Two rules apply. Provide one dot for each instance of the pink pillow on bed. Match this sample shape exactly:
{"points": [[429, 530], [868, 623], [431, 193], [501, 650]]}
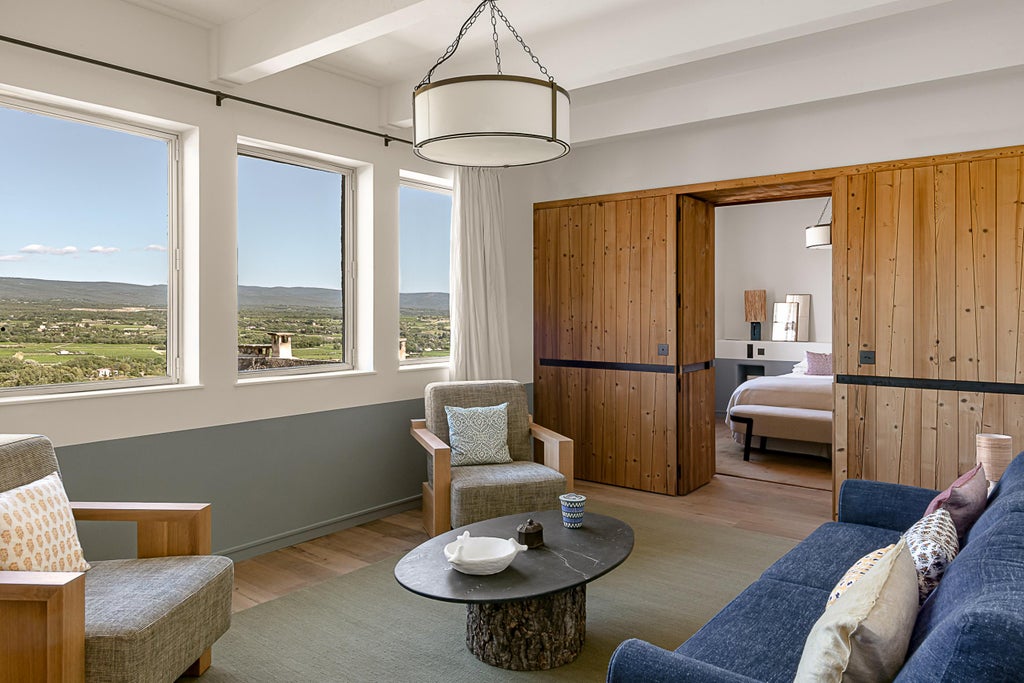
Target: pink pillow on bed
{"points": [[819, 363]]}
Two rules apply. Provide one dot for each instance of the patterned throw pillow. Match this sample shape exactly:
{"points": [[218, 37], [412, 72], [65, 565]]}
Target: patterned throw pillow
{"points": [[818, 363], [965, 499], [479, 436], [37, 529], [864, 635], [858, 570], [933, 545]]}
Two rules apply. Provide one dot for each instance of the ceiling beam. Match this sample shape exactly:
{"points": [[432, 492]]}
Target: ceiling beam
{"points": [[286, 33]]}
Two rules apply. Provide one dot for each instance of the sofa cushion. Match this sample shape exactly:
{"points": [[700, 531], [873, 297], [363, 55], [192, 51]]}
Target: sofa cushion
{"points": [[965, 500], [479, 436], [825, 555], [761, 633], [37, 529], [933, 545], [971, 626], [856, 572], [863, 635], [147, 617], [482, 492]]}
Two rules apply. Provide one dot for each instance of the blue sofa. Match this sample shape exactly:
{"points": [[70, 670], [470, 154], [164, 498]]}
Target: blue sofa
{"points": [[971, 628]]}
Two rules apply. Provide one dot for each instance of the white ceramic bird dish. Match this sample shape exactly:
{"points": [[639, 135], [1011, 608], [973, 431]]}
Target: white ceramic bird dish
{"points": [[481, 555]]}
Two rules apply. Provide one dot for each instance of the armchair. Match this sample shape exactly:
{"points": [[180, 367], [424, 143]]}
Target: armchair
{"points": [[153, 618], [456, 496]]}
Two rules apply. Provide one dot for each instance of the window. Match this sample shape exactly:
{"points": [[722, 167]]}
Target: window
{"points": [[424, 225], [294, 268], [88, 233]]}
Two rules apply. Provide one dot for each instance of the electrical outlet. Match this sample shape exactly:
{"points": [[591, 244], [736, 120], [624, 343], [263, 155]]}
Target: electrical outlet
{"points": [[867, 357], [760, 351], [662, 349]]}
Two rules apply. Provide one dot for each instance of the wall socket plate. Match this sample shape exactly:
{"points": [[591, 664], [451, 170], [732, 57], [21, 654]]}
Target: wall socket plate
{"points": [[867, 357], [662, 349]]}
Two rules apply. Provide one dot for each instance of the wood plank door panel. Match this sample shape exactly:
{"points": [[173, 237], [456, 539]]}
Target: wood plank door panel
{"points": [[928, 267], [696, 324], [604, 301]]}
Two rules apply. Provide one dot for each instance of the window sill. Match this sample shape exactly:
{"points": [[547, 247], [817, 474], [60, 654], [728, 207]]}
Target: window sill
{"points": [[410, 367], [97, 393], [313, 376]]}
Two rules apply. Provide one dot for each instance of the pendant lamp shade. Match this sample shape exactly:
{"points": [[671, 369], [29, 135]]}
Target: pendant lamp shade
{"points": [[818, 236], [491, 120]]}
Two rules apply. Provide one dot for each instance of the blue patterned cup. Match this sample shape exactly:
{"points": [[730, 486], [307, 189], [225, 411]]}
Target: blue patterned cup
{"points": [[572, 509]]}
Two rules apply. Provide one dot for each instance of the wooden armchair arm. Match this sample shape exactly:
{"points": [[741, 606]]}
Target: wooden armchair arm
{"points": [[557, 452], [436, 508], [42, 626], [163, 529]]}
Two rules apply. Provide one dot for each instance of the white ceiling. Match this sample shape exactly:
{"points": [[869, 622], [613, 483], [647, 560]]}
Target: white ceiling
{"points": [[601, 49]]}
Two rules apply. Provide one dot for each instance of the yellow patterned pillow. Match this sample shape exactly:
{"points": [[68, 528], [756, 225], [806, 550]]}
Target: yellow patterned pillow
{"points": [[37, 529], [859, 569]]}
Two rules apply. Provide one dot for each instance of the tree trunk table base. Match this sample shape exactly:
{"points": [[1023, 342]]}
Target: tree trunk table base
{"points": [[529, 635]]}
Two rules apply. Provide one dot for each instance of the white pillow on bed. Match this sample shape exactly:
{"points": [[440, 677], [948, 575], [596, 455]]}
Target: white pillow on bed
{"points": [[800, 368]]}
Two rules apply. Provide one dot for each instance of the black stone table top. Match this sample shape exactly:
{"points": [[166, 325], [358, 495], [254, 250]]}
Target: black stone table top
{"points": [[569, 557]]}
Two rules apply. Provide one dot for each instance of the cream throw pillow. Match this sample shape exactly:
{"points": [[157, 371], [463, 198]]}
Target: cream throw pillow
{"points": [[863, 636], [37, 529]]}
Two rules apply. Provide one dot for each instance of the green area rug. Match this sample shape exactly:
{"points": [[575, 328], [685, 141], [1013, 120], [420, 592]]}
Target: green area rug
{"points": [[363, 626]]}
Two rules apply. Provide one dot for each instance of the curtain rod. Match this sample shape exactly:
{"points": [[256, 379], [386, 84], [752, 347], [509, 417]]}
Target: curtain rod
{"points": [[220, 96]]}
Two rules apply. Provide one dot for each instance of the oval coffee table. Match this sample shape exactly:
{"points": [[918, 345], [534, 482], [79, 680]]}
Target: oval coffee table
{"points": [[532, 615]]}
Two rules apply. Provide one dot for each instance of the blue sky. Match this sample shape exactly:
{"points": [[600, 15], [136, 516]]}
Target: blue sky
{"points": [[85, 203], [80, 202], [424, 223]]}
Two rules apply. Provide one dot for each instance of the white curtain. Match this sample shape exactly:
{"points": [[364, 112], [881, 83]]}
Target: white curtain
{"points": [[479, 311]]}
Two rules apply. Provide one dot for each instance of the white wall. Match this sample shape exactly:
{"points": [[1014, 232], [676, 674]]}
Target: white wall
{"points": [[955, 115], [761, 246], [128, 35]]}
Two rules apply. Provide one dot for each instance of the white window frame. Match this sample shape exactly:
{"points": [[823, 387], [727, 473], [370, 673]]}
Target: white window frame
{"points": [[174, 246], [420, 181], [348, 262]]}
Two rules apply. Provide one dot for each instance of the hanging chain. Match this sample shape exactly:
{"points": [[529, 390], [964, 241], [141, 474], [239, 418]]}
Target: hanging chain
{"points": [[822, 216], [455, 45], [494, 35], [526, 48]]}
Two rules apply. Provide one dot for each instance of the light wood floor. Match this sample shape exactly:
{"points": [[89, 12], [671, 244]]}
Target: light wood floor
{"points": [[778, 509], [784, 468]]}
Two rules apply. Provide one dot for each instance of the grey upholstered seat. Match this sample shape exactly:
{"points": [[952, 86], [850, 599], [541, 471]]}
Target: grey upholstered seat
{"points": [[145, 619], [479, 492], [148, 618], [486, 491]]}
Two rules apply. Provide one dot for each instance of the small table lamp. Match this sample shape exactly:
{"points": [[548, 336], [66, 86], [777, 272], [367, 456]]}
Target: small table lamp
{"points": [[994, 452], [755, 310]]}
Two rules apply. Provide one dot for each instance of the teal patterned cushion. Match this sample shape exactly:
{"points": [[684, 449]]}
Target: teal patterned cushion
{"points": [[479, 436]]}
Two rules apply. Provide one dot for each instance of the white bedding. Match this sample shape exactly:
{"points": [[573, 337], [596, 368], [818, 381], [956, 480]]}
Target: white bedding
{"points": [[793, 391]]}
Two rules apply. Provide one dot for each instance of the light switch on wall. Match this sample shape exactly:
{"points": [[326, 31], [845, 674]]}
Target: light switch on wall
{"points": [[662, 349]]}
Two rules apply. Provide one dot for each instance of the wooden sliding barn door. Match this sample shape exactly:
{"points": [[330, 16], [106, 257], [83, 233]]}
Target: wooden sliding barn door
{"points": [[928, 272], [604, 301], [696, 316]]}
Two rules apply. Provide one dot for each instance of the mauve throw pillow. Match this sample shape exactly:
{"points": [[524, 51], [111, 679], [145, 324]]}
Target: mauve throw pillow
{"points": [[965, 500], [819, 363]]}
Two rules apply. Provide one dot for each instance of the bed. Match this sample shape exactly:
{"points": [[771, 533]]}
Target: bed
{"points": [[791, 413]]}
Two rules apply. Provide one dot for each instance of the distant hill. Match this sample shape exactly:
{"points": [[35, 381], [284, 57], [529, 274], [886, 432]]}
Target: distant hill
{"points": [[87, 294], [423, 302], [119, 294]]}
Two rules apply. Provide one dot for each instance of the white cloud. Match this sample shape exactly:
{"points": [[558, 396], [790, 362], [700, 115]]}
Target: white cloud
{"points": [[156, 247], [103, 250], [53, 251], [12, 257]]}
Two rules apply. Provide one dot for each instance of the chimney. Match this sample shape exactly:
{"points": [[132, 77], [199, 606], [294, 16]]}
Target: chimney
{"points": [[282, 345]]}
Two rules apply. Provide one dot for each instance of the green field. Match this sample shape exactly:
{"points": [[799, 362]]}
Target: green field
{"points": [[48, 353]]}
